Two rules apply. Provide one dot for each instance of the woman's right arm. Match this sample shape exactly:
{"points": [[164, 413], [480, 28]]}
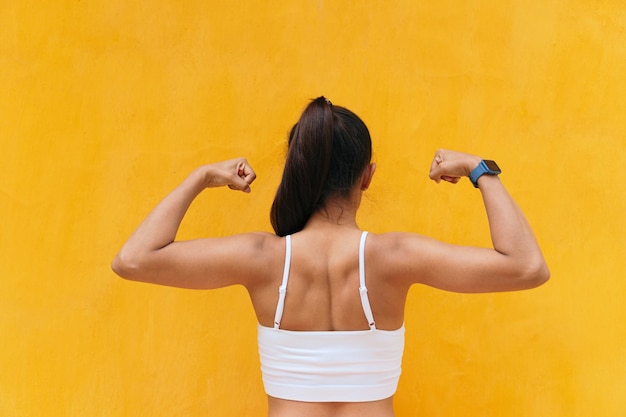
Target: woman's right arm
{"points": [[515, 261], [153, 255]]}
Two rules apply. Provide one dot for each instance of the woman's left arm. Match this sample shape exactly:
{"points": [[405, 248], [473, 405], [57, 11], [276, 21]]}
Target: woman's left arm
{"points": [[152, 255]]}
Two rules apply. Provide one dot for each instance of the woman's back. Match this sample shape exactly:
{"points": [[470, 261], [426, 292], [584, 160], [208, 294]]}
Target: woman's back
{"points": [[322, 355], [323, 288]]}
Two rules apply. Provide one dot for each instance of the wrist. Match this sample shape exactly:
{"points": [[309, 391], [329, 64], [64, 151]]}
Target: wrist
{"points": [[472, 164], [485, 167], [201, 177]]}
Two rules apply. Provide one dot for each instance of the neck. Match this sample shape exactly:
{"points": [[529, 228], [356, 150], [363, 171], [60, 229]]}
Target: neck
{"points": [[336, 212]]}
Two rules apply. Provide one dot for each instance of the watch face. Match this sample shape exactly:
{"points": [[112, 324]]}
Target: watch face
{"points": [[492, 165]]}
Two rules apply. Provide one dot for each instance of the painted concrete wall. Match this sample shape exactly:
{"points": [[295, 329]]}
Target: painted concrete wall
{"points": [[106, 105]]}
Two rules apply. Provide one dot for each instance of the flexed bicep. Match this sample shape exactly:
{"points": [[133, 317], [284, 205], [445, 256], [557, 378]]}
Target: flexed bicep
{"points": [[469, 269], [205, 263]]}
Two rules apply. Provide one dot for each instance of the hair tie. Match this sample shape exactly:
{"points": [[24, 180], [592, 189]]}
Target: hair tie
{"points": [[328, 101]]}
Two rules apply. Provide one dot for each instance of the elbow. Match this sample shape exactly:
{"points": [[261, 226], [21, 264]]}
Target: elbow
{"points": [[536, 274], [544, 275], [125, 267]]}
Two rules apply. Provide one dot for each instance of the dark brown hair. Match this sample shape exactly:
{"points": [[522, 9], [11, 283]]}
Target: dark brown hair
{"points": [[329, 148]]}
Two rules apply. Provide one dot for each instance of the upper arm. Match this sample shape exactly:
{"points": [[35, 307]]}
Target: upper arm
{"points": [[416, 259], [202, 263]]}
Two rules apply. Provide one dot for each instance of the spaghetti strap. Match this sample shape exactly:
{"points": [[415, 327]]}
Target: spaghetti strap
{"points": [[282, 290], [365, 302]]}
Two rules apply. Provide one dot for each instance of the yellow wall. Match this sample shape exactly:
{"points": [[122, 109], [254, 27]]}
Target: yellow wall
{"points": [[106, 105]]}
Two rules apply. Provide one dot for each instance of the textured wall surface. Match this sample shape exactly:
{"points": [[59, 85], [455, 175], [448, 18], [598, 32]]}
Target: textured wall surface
{"points": [[107, 105]]}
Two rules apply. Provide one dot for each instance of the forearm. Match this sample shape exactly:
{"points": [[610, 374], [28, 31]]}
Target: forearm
{"points": [[159, 228], [510, 232]]}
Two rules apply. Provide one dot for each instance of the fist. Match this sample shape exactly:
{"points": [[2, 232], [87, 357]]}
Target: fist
{"points": [[236, 173], [450, 166]]}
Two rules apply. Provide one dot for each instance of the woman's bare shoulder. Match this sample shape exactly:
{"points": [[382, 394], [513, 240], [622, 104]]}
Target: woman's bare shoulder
{"points": [[389, 241], [399, 254]]}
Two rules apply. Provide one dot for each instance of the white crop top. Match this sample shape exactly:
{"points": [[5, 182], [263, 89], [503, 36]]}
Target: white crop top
{"points": [[330, 366]]}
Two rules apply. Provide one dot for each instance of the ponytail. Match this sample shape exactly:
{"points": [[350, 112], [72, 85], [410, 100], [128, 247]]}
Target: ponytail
{"points": [[328, 150]]}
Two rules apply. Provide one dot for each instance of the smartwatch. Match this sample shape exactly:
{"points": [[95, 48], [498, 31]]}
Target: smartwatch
{"points": [[485, 167]]}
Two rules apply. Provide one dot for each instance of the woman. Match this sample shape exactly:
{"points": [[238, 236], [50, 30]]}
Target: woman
{"points": [[329, 298]]}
